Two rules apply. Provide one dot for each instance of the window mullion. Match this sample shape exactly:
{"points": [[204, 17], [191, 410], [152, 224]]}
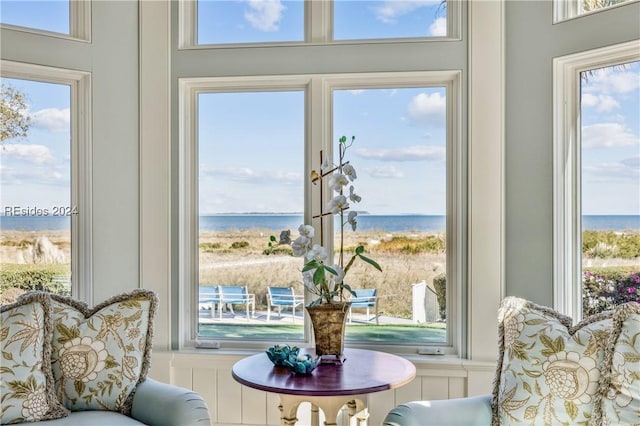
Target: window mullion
{"points": [[80, 19], [319, 21]]}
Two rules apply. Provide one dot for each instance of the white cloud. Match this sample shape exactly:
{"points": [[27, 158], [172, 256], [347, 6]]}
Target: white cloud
{"points": [[627, 169], [632, 163], [385, 172], [389, 11], [34, 175], [249, 175], [264, 15], [409, 153], [438, 28], [428, 109], [608, 135], [612, 80], [603, 103], [35, 154], [52, 119]]}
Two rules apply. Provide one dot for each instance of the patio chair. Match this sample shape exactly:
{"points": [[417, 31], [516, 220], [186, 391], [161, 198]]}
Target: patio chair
{"points": [[209, 295], [283, 297], [237, 295], [365, 298]]}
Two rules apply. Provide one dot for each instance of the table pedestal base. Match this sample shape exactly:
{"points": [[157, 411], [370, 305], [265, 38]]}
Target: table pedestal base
{"points": [[330, 406]]}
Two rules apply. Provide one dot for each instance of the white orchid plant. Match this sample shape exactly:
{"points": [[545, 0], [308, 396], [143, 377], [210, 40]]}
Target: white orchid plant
{"points": [[320, 275]]}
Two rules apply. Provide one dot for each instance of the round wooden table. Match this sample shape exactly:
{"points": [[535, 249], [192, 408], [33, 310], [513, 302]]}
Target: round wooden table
{"points": [[330, 386]]}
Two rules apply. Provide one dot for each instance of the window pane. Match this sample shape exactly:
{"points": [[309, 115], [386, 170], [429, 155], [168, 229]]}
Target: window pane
{"points": [[400, 159], [251, 162], [35, 226], [354, 19], [610, 114], [50, 15], [586, 6], [255, 21]]}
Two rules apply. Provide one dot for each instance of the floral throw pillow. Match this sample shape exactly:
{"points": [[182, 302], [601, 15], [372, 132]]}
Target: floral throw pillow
{"points": [[100, 355], [26, 385], [618, 402], [548, 370]]}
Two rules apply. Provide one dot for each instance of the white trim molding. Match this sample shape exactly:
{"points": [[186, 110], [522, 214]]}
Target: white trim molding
{"points": [[567, 211], [486, 176]]}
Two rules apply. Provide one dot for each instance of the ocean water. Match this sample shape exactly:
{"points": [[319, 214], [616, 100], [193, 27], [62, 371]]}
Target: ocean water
{"points": [[276, 222]]}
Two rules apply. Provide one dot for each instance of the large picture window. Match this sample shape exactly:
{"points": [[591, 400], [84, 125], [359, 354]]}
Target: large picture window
{"points": [[45, 204], [597, 183], [241, 184]]}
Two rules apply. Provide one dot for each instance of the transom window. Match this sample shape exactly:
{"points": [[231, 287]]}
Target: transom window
{"points": [[228, 22], [49, 17], [568, 9]]}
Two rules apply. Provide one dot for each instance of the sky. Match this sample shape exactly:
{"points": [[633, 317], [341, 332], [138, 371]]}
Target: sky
{"points": [[400, 134]]}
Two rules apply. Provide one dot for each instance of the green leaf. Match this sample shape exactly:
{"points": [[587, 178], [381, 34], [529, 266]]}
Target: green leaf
{"points": [[333, 271], [371, 262], [272, 238], [312, 264], [318, 275], [343, 139], [348, 288], [359, 249]]}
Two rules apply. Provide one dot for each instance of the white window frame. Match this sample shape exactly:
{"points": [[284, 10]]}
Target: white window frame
{"points": [[81, 153], [567, 210], [318, 27], [318, 132], [564, 10], [79, 23]]}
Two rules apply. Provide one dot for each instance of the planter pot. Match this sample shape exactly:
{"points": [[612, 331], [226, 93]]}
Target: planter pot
{"points": [[329, 322]]}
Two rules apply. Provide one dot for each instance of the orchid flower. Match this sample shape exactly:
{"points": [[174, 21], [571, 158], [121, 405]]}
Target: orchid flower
{"points": [[351, 219], [353, 196], [318, 253], [285, 237], [337, 204], [349, 171], [317, 276], [337, 181], [300, 246], [306, 231]]}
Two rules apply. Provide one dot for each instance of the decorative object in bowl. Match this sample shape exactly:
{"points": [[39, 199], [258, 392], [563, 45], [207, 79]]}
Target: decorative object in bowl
{"points": [[291, 358]]}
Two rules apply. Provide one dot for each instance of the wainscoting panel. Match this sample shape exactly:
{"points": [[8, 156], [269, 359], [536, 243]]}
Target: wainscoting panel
{"points": [[208, 372]]}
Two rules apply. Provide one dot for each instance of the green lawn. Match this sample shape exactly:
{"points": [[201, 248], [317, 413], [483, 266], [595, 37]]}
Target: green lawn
{"points": [[374, 333]]}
